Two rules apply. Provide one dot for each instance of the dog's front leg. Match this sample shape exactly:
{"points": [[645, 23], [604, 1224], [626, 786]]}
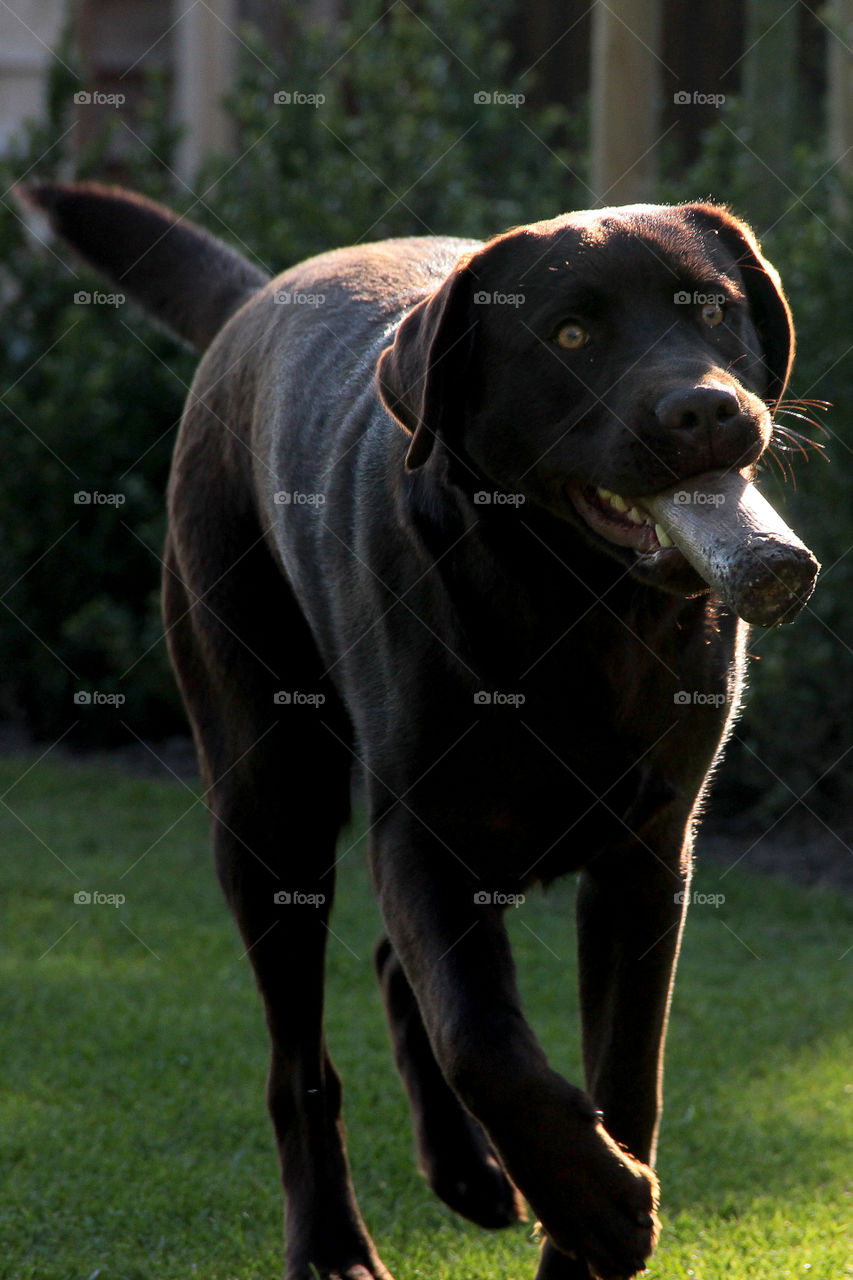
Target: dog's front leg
{"points": [[630, 912], [594, 1199]]}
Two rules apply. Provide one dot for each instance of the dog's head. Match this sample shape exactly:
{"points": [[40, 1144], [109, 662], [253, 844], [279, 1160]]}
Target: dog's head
{"points": [[598, 358]]}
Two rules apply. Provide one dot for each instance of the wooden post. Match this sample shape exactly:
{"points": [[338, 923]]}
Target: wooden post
{"points": [[626, 99], [205, 63]]}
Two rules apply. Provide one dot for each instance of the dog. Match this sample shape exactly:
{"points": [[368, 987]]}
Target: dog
{"points": [[406, 529]]}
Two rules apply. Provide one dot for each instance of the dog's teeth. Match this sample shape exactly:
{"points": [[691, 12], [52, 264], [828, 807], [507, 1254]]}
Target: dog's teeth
{"points": [[635, 516], [613, 499], [663, 537]]}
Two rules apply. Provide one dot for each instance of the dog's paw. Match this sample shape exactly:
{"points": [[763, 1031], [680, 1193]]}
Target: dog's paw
{"points": [[602, 1208], [357, 1272], [325, 1261], [556, 1265], [350, 1271]]}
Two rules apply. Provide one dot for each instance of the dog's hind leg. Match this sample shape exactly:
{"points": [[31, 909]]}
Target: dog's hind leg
{"points": [[454, 1153], [277, 785]]}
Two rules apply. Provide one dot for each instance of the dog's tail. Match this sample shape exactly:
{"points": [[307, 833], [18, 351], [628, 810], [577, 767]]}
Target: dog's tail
{"points": [[187, 279]]}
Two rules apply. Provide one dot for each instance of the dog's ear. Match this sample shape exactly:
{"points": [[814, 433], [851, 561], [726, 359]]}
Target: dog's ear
{"points": [[421, 376], [770, 311]]}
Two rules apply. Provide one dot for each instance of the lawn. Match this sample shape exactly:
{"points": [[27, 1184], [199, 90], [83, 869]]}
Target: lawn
{"points": [[135, 1142]]}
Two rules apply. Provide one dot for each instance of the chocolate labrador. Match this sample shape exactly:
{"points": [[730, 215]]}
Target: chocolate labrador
{"points": [[406, 528]]}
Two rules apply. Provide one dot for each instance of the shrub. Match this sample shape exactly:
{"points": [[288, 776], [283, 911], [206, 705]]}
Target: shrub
{"points": [[90, 396]]}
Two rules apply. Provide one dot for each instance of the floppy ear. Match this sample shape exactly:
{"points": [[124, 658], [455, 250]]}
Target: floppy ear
{"points": [[421, 377], [770, 311]]}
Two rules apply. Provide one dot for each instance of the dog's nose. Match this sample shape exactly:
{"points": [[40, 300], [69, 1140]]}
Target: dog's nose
{"points": [[690, 408]]}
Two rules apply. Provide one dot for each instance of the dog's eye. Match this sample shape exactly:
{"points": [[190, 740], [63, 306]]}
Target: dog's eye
{"points": [[572, 336], [712, 314]]}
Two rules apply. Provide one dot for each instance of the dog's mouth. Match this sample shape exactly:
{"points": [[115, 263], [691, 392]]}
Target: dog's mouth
{"points": [[622, 521], [626, 526]]}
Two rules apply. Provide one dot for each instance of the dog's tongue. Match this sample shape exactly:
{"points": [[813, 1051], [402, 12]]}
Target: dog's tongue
{"points": [[740, 546]]}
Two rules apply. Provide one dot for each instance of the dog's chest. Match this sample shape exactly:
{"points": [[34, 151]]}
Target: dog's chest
{"points": [[586, 751]]}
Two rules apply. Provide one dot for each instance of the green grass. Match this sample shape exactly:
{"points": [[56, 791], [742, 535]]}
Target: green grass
{"points": [[134, 1138]]}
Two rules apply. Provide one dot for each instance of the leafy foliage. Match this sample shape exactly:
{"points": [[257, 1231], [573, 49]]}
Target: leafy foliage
{"points": [[90, 394]]}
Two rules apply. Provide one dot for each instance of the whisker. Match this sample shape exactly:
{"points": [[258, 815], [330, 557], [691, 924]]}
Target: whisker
{"points": [[784, 467]]}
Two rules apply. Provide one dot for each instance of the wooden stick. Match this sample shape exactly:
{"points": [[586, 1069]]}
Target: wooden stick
{"points": [[737, 542]]}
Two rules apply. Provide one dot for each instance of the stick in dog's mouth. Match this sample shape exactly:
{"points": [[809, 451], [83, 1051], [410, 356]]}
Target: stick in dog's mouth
{"points": [[738, 544]]}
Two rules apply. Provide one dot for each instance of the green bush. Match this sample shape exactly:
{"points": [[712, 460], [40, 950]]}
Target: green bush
{"points": [[399, 145], [90, 398]]}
